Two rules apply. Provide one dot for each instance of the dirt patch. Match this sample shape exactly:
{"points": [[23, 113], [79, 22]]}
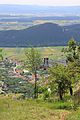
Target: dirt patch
{"points": [[63, 115]]}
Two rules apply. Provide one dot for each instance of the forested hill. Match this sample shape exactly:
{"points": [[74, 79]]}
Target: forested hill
{"points": [[47, 34]]}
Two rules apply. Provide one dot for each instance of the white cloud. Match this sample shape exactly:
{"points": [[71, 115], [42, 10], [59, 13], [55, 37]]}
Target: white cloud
{"points": [[42, 2]]}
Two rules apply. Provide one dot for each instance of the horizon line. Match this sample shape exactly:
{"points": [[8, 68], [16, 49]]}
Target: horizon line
{"points": [[42, 5]]}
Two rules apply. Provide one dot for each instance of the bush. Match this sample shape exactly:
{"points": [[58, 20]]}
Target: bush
{"points": [[46, 95]]}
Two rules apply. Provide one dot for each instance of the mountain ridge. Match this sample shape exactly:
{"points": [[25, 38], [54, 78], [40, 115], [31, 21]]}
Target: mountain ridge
{"points": [[47, 34]]}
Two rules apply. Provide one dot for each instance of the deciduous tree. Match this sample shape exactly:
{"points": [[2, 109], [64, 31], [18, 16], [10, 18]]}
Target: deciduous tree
{"points": [[33, 62]]}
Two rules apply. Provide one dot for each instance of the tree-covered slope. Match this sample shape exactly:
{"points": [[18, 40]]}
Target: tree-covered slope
{"points": [[47, 34]]}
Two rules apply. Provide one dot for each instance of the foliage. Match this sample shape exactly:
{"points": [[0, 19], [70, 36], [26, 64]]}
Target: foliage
{"points": [[59, 79], [73, 51], [3, 74], [1, 54], [73, 58], [73, 63], [17, 85], [33, 59], [33, 62]]}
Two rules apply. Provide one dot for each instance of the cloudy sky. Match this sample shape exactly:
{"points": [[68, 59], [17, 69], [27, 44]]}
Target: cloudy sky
{"points": [[43, 2]]}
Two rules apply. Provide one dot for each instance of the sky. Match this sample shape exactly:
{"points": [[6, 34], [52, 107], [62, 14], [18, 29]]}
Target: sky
{"points": [[43, 2]]}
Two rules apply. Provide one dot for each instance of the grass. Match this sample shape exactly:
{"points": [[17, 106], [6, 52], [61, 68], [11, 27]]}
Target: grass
{"points": [[12, 109], [75, 115], [29, 109]]}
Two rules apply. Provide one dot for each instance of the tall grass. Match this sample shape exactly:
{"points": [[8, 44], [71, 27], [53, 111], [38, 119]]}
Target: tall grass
{"points": [[13, 109]]}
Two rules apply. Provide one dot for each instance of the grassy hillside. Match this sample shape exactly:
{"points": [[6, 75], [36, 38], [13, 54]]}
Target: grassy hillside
{"points": [[28, 110], [13, 109], [75, 115]]}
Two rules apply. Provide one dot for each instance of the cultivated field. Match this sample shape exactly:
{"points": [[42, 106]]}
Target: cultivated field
{"points": [[19, 53]]}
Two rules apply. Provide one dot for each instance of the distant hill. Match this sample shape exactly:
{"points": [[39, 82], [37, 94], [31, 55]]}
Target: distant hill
{"points": [[47, 34], [34, 9]]}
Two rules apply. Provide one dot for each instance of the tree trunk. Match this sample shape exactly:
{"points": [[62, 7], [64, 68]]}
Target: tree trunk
{"points": [[35, 87], [61, 98], [71, 91], [60, 95]]}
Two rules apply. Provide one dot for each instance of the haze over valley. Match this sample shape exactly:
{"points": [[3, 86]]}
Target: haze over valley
{"points": [[32, 25]]}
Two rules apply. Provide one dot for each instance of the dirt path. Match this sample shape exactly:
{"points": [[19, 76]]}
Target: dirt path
{"points": [[63, 115]]}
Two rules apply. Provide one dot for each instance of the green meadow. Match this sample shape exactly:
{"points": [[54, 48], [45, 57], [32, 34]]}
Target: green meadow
{"points": [[19, 53]]}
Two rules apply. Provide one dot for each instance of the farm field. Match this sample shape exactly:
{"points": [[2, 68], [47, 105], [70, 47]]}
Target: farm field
{"points": [[19, 53], [19, 25]]}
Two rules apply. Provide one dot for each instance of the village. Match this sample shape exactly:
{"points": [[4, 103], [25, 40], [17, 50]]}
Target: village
{"points": [[14, 69]]}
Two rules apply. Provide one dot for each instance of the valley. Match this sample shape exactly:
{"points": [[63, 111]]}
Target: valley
{"points": [[18, 22], [39, 62]]}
